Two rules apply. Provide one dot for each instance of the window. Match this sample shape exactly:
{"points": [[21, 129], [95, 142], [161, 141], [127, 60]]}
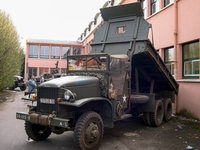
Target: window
{"points": [[43, 70], [154, 6], [95, 21], [191, 60], [44, 52], [112, 3], [120, 30], [65, 52], [32, 71], [169, 59], [144, 7], [167, 2], [76, 50], [55, 52], [33, 51]]}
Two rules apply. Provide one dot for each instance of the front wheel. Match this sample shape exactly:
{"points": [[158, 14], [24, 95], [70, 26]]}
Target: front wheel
{"points": [[23, 87], [37, 132], [88, 131]]}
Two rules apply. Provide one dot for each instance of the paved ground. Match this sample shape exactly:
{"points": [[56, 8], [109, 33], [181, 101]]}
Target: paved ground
{"points": [[129, 134], [174, 135]]}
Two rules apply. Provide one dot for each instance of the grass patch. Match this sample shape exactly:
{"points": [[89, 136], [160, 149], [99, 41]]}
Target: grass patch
{"points": [[191, 118], [187, 114], [195, 126]]}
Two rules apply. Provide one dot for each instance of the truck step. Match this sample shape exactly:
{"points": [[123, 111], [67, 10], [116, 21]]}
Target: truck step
{"points": [[125, 116]]}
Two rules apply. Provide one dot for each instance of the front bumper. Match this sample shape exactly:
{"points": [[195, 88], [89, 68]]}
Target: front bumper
{"points": [[45, 120]]}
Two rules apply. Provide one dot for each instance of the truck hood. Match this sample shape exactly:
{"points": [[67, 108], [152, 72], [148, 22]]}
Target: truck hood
{"points": [[70, 81]]}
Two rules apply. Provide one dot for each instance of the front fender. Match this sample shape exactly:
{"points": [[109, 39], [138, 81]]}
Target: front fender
{"points": [[98, 104], [81, 102]]}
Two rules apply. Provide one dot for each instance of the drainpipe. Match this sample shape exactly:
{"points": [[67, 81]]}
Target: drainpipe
{"points": [[175, 45]]}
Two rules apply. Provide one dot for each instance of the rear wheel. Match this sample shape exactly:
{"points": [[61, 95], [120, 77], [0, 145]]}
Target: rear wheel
{"points": [[88, 131], [37, 132], [146, 118], [12, 87], [167, 109], [157, 115]]}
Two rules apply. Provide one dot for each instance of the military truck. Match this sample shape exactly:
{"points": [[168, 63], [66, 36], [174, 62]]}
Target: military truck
{"points": [[122, 76]]}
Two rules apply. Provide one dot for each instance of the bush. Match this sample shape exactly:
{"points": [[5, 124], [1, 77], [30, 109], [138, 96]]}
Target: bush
{"points": [[11, 52]]}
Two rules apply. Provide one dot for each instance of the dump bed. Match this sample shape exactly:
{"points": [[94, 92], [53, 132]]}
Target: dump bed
{"points": [[125, 31]]}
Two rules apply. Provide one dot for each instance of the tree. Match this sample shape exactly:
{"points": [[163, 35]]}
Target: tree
{"points": [[11, 52]]}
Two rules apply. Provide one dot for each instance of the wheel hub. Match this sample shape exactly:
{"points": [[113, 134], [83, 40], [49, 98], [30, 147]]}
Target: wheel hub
{"points": [[92, 132]]}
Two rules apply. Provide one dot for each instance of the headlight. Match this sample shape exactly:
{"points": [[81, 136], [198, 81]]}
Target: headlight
{"points": [[68, 95]]}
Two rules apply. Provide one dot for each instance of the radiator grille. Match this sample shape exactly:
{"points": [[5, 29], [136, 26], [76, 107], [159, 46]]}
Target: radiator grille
{"points": [[48, 93]]}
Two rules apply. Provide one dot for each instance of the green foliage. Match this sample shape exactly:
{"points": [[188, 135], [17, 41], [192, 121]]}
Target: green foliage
{"points": [[11, 52]]}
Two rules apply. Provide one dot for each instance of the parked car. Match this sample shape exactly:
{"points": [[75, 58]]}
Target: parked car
{"points": [[18, 82]]}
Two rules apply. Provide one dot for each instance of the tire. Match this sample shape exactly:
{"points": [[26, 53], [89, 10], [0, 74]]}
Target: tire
{"points": [[146, 118], [88, 131], [167, 109], [156, 117], [23, 87], [139, 99], [37, 132], [11, 88]]}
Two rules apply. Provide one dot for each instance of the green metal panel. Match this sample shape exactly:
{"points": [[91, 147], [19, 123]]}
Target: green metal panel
{"points": [[133, 9]]}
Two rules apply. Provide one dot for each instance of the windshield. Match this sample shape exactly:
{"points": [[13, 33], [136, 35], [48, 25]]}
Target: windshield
{"points": [[88, 63], [117, 63]]}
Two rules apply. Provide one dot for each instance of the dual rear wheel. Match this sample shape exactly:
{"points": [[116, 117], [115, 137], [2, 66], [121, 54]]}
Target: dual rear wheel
{"points": [[162, 111]]}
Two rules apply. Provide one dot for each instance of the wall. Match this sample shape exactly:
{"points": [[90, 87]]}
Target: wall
{"points": [[163, 27], [189, 96], [188, 20]]}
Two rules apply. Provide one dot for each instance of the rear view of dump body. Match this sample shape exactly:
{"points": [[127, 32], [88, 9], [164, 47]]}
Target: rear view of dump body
{"points": [[125, 32]]}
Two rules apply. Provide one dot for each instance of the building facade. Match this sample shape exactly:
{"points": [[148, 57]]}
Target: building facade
{"points": [[43, 55], [175, 34]]}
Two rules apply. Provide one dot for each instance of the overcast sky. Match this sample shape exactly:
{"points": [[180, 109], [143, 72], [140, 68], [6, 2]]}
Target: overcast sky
{"points": [[51, 19]]}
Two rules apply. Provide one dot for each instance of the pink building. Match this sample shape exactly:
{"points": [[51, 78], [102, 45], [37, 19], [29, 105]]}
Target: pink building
{"points": [[175, 34], [42, 55]]}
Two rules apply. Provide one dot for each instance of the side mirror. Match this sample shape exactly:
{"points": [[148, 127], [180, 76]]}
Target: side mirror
{"points": [[127, 66]]}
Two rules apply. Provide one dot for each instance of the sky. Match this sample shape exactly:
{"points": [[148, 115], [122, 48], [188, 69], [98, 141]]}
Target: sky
{"points": [[51, 19]]}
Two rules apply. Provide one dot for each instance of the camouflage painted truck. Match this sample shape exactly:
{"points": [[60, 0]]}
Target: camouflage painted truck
{"points": [[122, 76]]}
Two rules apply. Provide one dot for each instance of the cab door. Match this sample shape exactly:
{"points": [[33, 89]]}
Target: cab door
{"points": [[118, 83]]}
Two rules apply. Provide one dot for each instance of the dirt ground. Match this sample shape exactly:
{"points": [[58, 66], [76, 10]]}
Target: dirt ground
{"points": [[5, 95]]}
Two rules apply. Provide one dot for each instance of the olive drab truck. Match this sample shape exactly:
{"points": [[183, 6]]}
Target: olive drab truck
{"points": [[121, 77]]}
